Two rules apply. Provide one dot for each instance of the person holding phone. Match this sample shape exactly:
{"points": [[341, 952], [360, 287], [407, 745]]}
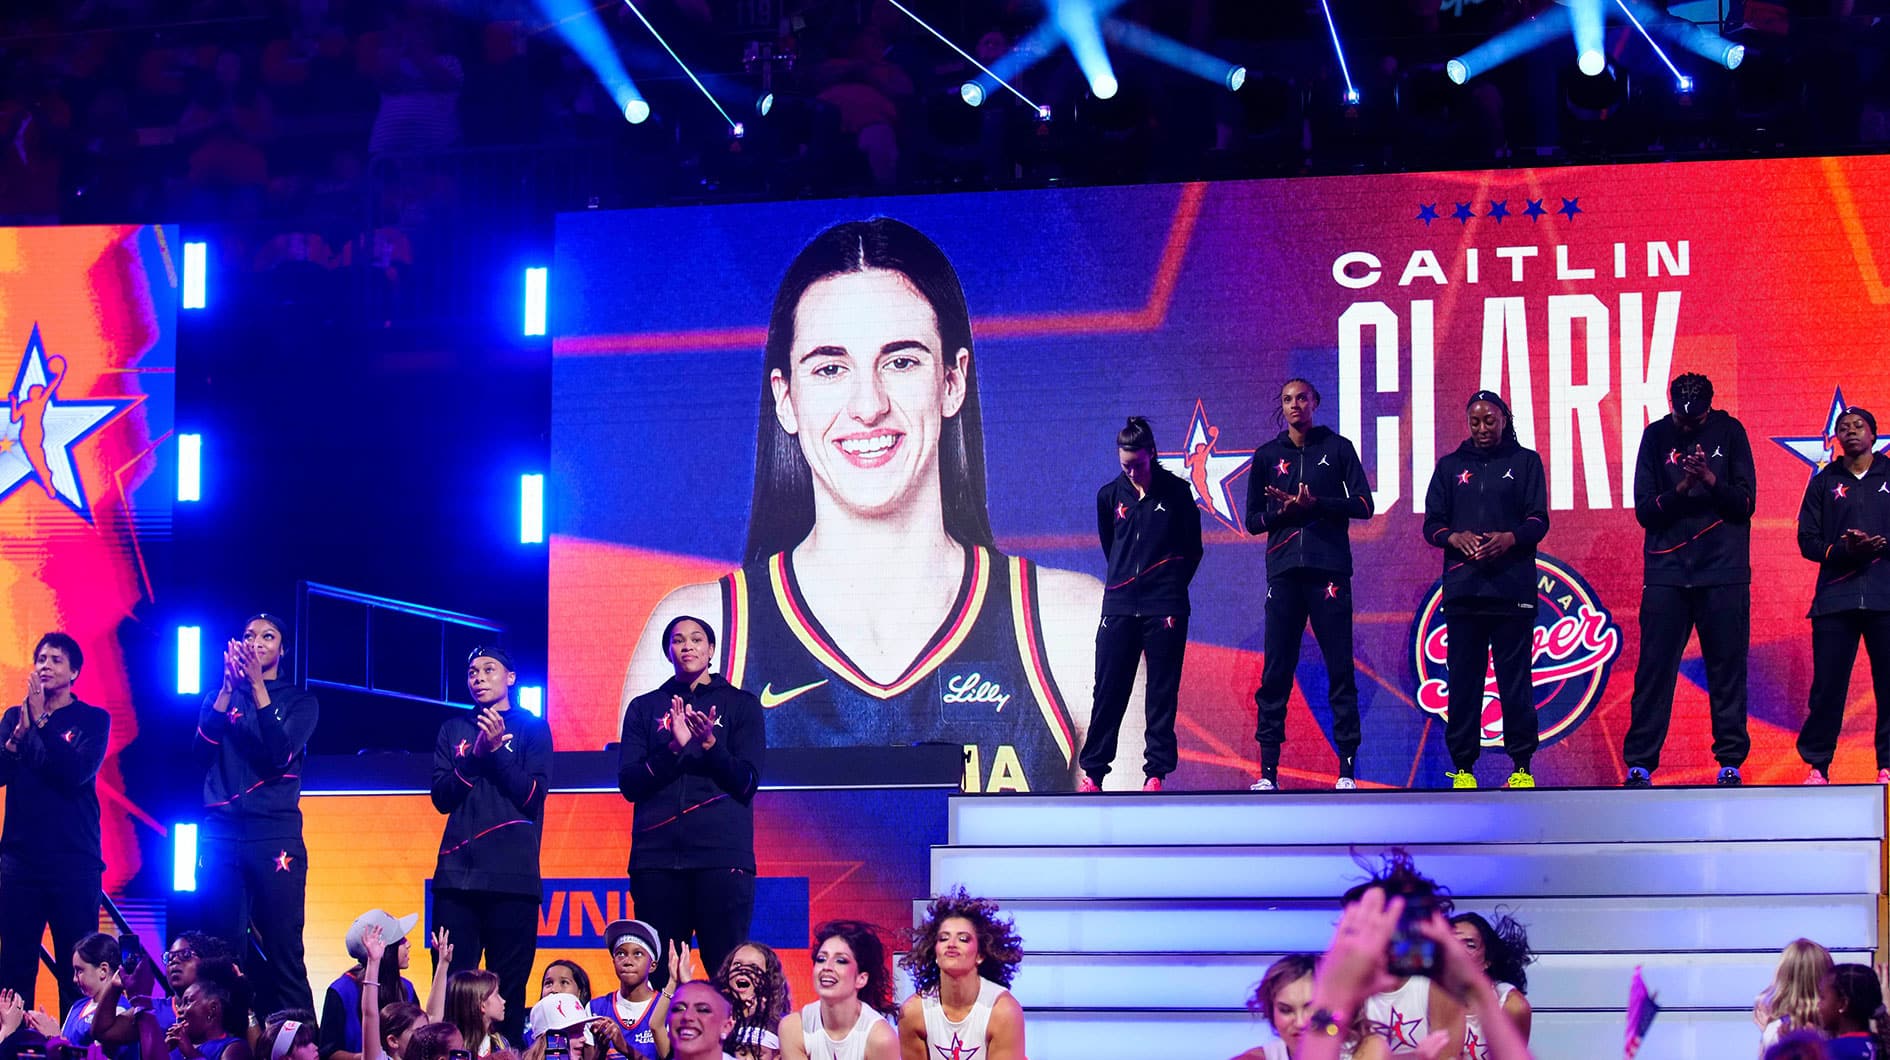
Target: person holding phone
{"points": [[1694, 492], [1844, 527], [51, 863], [1402, 1009], [491, 774], [252, 866]]}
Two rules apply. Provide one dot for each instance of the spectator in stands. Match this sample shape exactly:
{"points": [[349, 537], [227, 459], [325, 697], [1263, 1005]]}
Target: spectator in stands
{"points": [[475, 1006], [436, 1041], [1355, 966], [630, 1021], [342, 1030], [1853, 1014], [1283, 998], [96, 968], [51, 747], [559, 1016], [252, 737], [1792, 1002], [755, 983], [1800, 1045], [963, 957], [854, 986], [291, 1035], [566, 977], [387, 1031], [179, 966], [213, 1017], [1503, 949], [1401, 1011]]}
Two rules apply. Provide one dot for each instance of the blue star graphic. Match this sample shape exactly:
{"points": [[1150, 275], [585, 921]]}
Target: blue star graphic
{"points": [[1817, 451], [1463, 212], [1534, 210], [1217, 469], [1571, 207], [1427, 212], [1499, 210], [64, 425]]}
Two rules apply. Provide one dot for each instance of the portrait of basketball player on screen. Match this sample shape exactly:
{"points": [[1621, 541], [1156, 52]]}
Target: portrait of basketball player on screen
{"points": [[872, 607]]}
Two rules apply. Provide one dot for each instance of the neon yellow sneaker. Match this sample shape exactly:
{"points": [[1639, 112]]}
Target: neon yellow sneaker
{"points": [[1462, 779], [1522, 778]]}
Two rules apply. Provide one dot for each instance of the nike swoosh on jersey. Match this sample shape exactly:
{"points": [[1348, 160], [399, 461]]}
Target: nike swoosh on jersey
{"points": [[771, 699]]}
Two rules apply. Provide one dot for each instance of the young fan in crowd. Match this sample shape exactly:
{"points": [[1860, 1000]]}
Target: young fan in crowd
{"points": [[755, 983], [630, 1020], [475, 1006], [97, 972], [435, 1041], [962, 960], [341, 1005], [1793, 1002], [1854, 1015], [559, 1016], [292, 1035], [566, 977], [389, 1029], [212, 1017]]}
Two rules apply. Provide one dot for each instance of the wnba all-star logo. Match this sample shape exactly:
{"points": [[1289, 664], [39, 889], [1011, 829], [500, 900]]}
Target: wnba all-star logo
{"points": [[1575, 644]]}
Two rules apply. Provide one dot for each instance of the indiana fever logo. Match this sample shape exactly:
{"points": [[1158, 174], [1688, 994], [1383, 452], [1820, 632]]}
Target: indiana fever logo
{"points": [[1576, 641]]}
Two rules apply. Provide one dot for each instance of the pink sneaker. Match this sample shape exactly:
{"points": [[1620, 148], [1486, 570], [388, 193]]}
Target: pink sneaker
{"points": [[1152, 784], [1816, 777], [1088, 786], [1883, 776]]}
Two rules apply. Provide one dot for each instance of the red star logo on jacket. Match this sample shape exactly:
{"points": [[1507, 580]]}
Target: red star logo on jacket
{"points": [[1332, 590], [460, 748], [1840, 491], [1282, 467], [1673, 456], [1122, 510], [1463, 477], [282, 861]]}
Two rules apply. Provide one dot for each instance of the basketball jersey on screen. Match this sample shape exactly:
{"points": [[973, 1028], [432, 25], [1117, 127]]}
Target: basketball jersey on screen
{"points": [[982, 680], [963, 1039]]}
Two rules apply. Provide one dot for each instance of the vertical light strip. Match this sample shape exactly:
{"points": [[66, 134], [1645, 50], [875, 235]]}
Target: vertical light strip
{"points": [[183, 857], [196, 264], [531, 700], [190, 467], [531, 509], [536, 282], [189, 660]]}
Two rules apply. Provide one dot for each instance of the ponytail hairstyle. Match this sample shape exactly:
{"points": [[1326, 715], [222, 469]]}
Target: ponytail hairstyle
{"points": [[98, 950], [1860, 1003], [1505, 947], [1136, 434]]}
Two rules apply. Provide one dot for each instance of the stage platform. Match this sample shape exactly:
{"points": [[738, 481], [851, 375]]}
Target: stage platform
{"points": [[1148, 918]]}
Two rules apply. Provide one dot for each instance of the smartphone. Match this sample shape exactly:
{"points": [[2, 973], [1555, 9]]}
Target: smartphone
{"points": [[557, 1044], [459, 1054], [1409, 952], [131, 953]]}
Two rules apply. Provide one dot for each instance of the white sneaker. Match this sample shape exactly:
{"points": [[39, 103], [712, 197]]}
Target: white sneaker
{"points": [[1263, 784], [1345, 784]]}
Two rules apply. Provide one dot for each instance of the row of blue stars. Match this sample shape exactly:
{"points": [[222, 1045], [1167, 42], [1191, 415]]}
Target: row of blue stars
{"points": [[1427, 212]]}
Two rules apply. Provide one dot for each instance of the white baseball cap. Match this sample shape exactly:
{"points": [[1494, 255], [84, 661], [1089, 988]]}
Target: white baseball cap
{"points": [[393, 930], [556, 1012]]}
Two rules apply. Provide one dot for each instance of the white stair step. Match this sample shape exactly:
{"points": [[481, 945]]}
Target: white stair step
{"points": [[1567, 869], [1085, 1035], [1421, 817], [1567, 925], [1225, 981]]}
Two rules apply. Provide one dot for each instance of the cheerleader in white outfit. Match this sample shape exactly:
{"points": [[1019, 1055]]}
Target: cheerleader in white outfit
{"points": [[962, 961], [1503, 949], [1283, 998], [854, 984]]}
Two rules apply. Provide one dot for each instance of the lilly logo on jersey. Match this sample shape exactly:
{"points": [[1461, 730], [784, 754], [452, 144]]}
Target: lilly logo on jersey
{"points": [[1574, 646], [973, 687]]}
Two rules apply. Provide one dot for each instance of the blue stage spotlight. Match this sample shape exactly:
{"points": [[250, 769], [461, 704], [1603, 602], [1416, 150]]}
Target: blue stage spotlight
{"points": [[190, 467], [1697, 39], [531, 509], [189, 660], [765, 104], [576, 21], [537, 280], [1170, 52], [1081, 26], [734, 127], [972, 92], [1332, 27], [196, 264], [1588, 22], [1517, 40], [531, 700], [183, 857], [1681, 81]]}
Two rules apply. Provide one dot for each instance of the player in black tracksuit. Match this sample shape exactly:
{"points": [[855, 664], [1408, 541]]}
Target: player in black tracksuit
{"points": [[690, 762], [1487, 508], [1844, 527], [252, 867], [491, 771], [1151, 535], [1305, 488], [1694, 486]]}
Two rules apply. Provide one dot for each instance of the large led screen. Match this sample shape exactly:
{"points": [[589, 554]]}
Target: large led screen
{"points": [[903, 548]]}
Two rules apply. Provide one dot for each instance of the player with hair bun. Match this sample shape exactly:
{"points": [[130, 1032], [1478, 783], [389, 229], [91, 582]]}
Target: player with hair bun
{"points": [[962, 960]]}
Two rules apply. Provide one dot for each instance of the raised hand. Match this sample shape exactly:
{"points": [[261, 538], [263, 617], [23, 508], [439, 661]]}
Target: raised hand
{"points": [[679, 734], [1354, 965], [251, 666], [35, 698], [443, 945], [12, 1013], [701, 727], [681, 964], [375, 943], [491, 731], [42, 1023]]}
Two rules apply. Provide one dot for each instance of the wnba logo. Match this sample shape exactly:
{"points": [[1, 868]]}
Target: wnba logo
{"points": [[1576, 641]]}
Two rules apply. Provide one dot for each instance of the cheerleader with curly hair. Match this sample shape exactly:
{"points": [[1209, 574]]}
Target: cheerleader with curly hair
{"points": [[1503, 948], [962, 960]]}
